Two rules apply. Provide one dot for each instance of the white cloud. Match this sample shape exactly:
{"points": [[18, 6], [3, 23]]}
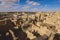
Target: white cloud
{"points": [[33, 3], [35, 10], [8, 5], [46, 5], [6, 8], [9, 0], [26, 7]]}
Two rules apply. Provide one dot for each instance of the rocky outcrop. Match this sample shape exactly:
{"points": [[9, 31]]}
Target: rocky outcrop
{"points": [[36, 26]]}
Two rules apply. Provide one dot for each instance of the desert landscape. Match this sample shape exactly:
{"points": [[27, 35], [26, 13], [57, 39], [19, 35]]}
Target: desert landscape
{"points": [[30, 25]]}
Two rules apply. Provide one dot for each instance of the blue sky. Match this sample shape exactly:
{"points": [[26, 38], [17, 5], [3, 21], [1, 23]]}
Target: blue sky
{"points": [[29, 5]]}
